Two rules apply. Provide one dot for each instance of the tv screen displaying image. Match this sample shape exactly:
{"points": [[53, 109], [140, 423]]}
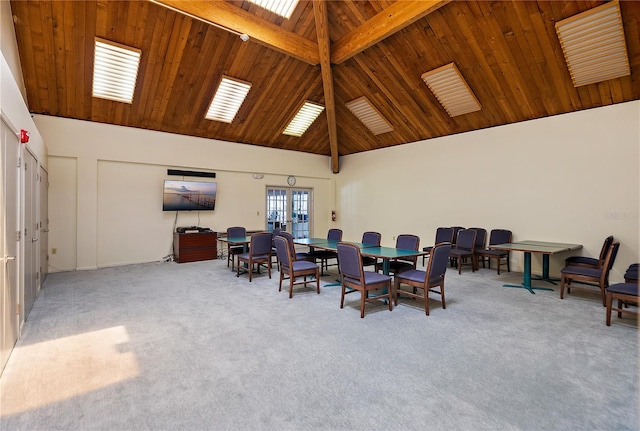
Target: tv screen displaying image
{"points": [[189, 196]]}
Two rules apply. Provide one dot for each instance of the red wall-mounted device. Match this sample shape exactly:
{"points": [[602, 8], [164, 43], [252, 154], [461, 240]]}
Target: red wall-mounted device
{"points": [[24, 136]]}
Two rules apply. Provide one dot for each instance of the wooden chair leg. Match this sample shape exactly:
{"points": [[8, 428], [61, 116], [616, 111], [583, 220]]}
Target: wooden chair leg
{"points": [[609, 299], [363, 294]]}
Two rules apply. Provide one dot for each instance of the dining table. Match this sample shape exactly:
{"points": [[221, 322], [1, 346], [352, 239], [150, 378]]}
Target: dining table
{"points": [[546, 249]]}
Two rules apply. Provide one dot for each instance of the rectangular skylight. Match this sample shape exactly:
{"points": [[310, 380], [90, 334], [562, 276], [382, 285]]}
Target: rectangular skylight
{"points": [[115, 70], [451, 90], [369, 116], [303, 119], [283, 8], [227, 100], [593, 44]]}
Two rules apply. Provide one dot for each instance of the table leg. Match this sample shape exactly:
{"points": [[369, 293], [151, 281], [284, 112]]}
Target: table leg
{"points": [[527, 276], [545, 271]]}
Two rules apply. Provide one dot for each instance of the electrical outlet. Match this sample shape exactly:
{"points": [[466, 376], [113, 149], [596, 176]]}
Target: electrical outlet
{"points": [[54, 250], [394, 238]]}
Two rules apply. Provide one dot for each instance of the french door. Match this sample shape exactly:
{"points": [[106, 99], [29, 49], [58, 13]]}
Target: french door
{"points": [[290, 209]]}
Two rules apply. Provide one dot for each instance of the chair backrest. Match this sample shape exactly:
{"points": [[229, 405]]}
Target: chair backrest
{"points": [[335, 234], [481, 237], [466, 239], [292, 247], [407, 241], [350, 262], [438, 262], [456, 229], [260, 243], [371, 238], [283, 251], [444, 234], [611, 257], [236, 232], [276, 231], [605, 247], [500, 236]]}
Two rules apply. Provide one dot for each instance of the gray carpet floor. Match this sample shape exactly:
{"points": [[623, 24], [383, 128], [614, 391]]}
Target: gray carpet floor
{"points": [[167, 346]]}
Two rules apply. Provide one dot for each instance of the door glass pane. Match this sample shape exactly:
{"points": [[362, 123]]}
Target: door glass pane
{"points": [[276, 209], [299, 213]]}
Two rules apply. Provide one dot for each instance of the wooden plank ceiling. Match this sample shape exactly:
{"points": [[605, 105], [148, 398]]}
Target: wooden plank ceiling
{"points": [[328, 52]]}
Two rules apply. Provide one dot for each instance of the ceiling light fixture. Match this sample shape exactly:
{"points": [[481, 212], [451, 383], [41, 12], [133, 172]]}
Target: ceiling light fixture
{"points": [[593, 44], [303, 119], [369, 116], [451, 90], [284, 8], [227, 100], [115, 71]]}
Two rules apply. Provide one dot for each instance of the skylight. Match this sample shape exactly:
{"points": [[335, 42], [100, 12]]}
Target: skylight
{"points": [[369, 116], [593, 44], [115, 70], [283, 8], [227, 100], [451, 90], [303, 119]]}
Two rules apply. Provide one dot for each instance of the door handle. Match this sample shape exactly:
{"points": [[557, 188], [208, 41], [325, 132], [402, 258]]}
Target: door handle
{"points": [[45, 230], [8, 258], [34, 239]]}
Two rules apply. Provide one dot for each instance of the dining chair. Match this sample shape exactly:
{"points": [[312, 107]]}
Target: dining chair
{"points": [[631, 274], [497, 236], [274, 255], [294, 269], [405, 241], [373, 239], [586, 276], [625, 294], [296, 255], [325, 255], [455, 229], [465, 249], [481, 238], [234, 250], [443, 234], [355, 278], [428, 280], [259, 254], [591, 262]]}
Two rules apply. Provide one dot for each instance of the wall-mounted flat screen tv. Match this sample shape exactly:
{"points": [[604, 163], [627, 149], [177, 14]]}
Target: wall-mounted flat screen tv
{"points": [[189, 196]]}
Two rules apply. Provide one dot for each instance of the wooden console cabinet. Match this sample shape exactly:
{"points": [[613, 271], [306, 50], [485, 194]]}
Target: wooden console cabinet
{"points": [[193, 247]]}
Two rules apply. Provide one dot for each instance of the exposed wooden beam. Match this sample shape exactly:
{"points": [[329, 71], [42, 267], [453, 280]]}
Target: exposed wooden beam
{"points": [[322, 31], [384, 24], [237, 20]]}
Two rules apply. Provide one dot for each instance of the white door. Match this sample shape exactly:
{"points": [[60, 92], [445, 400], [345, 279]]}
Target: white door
{"points": [[44, 225], [31, 232], [290, 209], [9, 176]]}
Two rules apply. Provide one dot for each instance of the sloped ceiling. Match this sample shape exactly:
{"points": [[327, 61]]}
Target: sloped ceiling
{"points": [[329, 52]]}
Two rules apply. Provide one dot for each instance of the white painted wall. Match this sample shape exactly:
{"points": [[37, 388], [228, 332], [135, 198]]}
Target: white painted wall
{"points": [[106, 182], [569, 178]]}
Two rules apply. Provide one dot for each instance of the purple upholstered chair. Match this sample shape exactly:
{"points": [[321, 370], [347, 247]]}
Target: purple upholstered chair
{"points": [[325, 255], [443, 234], [497, 236], [356, 278], [591, 261], [259, 253], [295, 255], [405, 241], [631, 274], [625, 294], [370, 238], [465, 248], [427, 280], [585, 274], [234, 250], [294, 268]]}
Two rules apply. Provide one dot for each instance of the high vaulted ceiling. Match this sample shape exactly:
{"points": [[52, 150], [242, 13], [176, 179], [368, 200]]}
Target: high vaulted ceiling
{"points": [[330, 52]]}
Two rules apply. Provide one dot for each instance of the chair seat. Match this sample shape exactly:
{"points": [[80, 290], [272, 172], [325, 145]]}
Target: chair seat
{"points": [[582, 271], [624, 289], [458, 252], [245, 256], [303, 265], [370, 277], [581, 260], [417, 276]]}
